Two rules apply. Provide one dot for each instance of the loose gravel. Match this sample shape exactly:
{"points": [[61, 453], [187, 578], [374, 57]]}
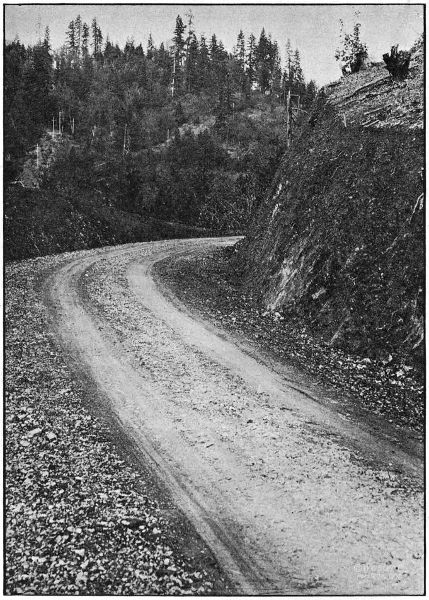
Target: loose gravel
{"points": [[79, 519], [384, 387]]}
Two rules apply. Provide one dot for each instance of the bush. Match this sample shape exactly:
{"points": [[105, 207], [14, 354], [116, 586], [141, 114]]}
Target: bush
{"points": [[353, 53]]}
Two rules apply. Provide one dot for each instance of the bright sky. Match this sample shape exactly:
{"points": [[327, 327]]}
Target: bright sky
{"points": [[313, 29]]}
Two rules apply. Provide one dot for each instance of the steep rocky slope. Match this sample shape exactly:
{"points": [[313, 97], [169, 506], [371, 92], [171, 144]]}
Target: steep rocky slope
{"points": [[338, 244], [371, 99]]}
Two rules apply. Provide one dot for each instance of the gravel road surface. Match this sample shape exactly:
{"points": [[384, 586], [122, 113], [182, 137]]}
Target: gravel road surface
{"points": [[291, 497]]}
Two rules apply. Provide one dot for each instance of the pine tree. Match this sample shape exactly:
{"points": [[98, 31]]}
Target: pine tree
{"points": [[178, 56], [191, 54], [203, 65], [309, 94], [288, 72], [150, 52], [192, 64], [239, 52], [276, 75], [179, 41], [262, 55], [85, 40], [97, 39], [38, 78], [251, 61], [71, 37], [240, 60], [78, 35], [213, 48], [129, 48], [298, 76], [46, 40]]}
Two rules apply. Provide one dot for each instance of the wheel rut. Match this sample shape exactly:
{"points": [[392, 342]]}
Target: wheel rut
{"points": [[284, 492]]}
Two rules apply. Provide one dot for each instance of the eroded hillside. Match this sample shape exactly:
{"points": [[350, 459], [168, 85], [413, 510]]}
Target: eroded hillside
{"points": [[338, 245]]}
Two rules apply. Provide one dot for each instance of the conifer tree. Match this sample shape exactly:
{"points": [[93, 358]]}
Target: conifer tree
{"points": [[276, 75], [251, 61], [298, 76], [97, 39], [85, 40], [150, 52], [240, 61], [71, 37], [179, 40], [203, 64], [78, 35], [46, 39], [263, 56]]}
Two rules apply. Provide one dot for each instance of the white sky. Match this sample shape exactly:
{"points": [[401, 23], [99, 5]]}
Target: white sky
{"points": [[313, 29]]}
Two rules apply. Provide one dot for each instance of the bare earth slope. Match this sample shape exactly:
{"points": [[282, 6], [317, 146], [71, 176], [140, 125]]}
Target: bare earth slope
{"points": [[290, 497]]}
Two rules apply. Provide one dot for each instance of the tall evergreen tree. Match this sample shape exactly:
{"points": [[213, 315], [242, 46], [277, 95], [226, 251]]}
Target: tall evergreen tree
{"points": [[179, 41], [251, 61], [47, 38], [288, 72], [240, 50], [78, 35], [276, 75], [85, 40], [97, 39], [203, 64], [151, 51], [262, 54], [240, 61], [297, 72], [71, 37]]}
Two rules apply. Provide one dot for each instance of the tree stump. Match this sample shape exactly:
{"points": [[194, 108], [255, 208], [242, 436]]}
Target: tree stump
{"points": [[359, 62], [397, 63]]}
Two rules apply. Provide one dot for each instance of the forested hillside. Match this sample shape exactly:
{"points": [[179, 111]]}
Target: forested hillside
{"points": [[106, 144]]}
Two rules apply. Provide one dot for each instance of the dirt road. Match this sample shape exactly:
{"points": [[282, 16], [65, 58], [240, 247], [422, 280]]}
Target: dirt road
{"points": [[290, 496]]}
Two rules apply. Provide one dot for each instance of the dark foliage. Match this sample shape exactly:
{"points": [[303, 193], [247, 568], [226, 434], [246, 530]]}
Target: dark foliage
{"points": [[106, 121]]}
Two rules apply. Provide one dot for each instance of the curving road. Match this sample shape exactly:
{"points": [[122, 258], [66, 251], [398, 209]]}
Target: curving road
{"points": [[291, 497]]}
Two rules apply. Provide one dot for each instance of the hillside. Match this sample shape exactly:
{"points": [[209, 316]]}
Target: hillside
{"points": [[370, 98], [114, 144], [337, 247]]}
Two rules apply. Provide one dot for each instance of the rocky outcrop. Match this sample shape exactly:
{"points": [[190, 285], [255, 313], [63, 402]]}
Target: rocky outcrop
{"points": [[338, 245]]}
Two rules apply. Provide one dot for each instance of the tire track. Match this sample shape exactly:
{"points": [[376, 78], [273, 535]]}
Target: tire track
{"points": [[300, 521]]}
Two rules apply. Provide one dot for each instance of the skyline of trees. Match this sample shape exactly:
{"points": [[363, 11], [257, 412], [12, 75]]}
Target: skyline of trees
{"points": [[120, 111]]}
